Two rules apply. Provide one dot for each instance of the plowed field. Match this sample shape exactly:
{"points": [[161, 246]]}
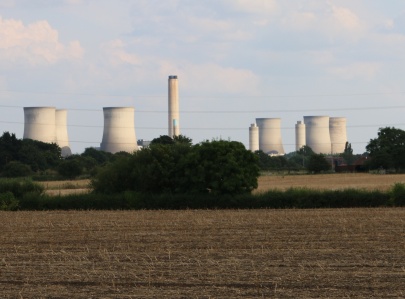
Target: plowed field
{"points": [[203, 254]]}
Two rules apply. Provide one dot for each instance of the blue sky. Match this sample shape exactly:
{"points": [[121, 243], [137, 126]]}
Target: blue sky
{"points": [[236, 60]]}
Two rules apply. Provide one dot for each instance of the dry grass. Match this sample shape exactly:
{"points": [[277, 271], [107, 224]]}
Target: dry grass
{"points": [[203, 254], [66, 187], [331, 181], [267, 182]]}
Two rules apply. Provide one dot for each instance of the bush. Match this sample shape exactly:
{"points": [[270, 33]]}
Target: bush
{"points": [[20, 187], [15, 169], [398, 194], [8, 202], [70, 168]]}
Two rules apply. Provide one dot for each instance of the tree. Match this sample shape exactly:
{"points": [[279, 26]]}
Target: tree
{"points": [[16, 169], [267, 162], [70, 168], [318, 163], [165, 139], [221, 167], [388, 149], [347, 154]]}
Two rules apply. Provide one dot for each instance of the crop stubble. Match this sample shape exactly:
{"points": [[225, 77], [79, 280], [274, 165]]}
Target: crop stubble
{"points": [[203, 254]]}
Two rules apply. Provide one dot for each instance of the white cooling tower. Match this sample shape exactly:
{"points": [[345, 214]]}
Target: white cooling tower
{"points": [[270, 141], [119, 130], [174, 125], [39, 124], [254, 137], [299, 135], [62, 137], [317, 134], [338, 135]]}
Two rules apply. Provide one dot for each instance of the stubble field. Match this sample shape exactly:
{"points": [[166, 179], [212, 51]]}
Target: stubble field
{"points": [[203, 254]]}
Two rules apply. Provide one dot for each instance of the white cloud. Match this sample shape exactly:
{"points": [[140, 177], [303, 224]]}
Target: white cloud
{"points": [[36, 43]]}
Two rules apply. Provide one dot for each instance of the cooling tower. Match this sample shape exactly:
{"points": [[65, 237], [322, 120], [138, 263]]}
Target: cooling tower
{"points": [[119, 130], [299, 135], [62, 138], [317, 135], [338, 135], [39, 124], [254, 137], [174, 126], [270, 135]]}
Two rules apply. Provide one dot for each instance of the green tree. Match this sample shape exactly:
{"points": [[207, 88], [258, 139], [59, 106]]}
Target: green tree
{"points": [[347, 154], [318, 163], [70, 168], [16, 169], [221, 167], [387, 150]]}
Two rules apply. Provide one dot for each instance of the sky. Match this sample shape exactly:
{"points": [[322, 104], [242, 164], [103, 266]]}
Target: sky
{"points": [[236, 60]]}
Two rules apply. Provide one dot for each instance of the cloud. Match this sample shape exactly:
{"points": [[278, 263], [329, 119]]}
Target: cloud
{"points": [[36, 43]]}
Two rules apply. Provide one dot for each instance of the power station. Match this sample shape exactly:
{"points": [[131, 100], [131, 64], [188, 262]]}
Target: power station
{"points": [[62, 137], [48, 125], [317, 135], [338, 134], [323, 134], [299, 135], [119, 130], [269, 136]]}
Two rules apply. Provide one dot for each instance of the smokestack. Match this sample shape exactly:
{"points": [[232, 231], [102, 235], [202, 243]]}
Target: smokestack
{"points": [[174, 126], [299, 135], [254, 137], [62, 138], [119, 130], [39, 124]]}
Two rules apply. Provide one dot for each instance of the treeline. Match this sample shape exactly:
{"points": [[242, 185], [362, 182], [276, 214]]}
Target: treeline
{"points": [[31, 158], [16, 194]]}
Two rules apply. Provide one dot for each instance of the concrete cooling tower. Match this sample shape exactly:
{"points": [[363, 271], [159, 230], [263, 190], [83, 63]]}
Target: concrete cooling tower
{"points": [[338, 135], [39, 124], [317, 134], [174, 126], [270, 135], [299, 135], [254, 137], [119, 130], [62, 137]]}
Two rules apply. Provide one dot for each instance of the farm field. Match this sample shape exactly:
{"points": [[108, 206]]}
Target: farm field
{"points": [[203, 254], [330, 181], [267, 182]]}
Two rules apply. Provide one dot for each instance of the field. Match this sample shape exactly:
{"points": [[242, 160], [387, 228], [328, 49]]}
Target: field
{"points": [[331, 181], [203, 254], [266, 182]]}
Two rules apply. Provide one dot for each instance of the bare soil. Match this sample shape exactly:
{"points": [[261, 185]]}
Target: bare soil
{"points": [[343, 253]]}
